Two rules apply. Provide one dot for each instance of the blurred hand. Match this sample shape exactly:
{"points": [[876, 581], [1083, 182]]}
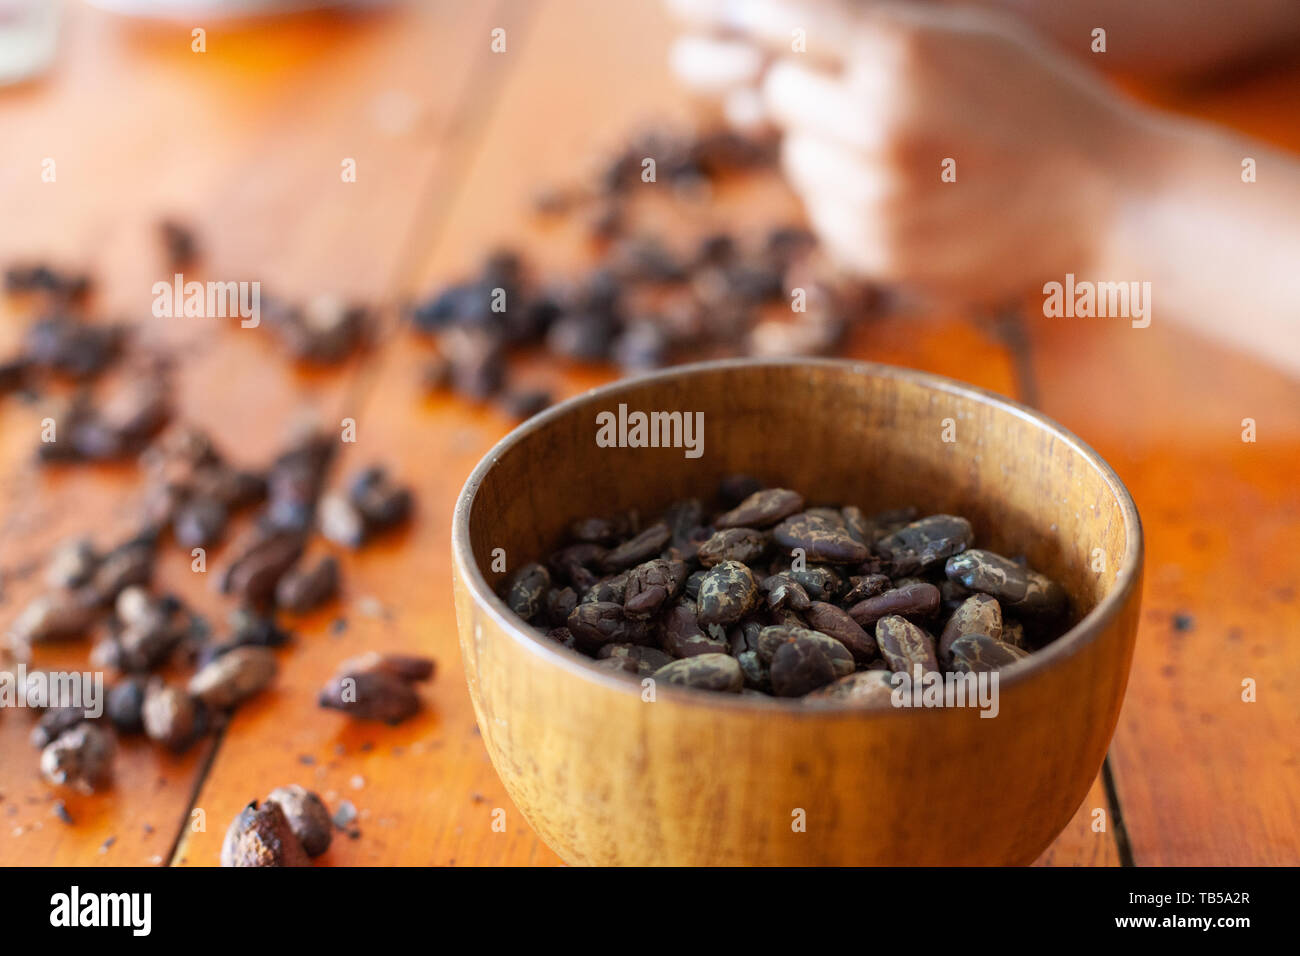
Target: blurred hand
{"points": [[886, 98]]}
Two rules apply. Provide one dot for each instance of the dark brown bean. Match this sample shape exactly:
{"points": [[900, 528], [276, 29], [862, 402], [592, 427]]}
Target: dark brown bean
{"points": [[861, 689], [641, 548], [634, 658], [125, 705], [574, 564], [683, 636], [863, 586], [831, 620], [975, 653], [820, 538], [651, 586], [604, 622], [727, 593], [527, 589], [302, 590], [716, 672], [233, 677], [611, 589], [784, 591], [732, 544], [917, 600], [258, 569], [82, 757], [762, 509], [307, 816], [171, 717], [370, 695], [821, 583], [923, 543], [1018, 589], [560, 603], [978, 614], [805, 660], [262, 836], [904, 646]]}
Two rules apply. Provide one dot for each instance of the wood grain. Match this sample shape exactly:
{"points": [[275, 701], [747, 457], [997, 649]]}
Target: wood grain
{"points": [[267, 116], [1203, 776], [247, 143]]}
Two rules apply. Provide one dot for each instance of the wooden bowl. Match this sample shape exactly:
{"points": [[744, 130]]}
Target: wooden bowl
{"points": [[704, 778]]}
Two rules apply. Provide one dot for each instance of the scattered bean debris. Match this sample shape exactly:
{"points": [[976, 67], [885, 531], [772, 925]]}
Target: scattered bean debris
{"points": [[345, 814], [643, 304]]}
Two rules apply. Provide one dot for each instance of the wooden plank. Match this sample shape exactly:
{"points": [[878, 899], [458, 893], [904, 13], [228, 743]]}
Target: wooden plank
{"points": [[1204, 778], [246, 140], [432, 801]]}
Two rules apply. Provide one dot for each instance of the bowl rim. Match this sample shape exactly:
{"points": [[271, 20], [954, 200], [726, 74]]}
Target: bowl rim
{"points": [[1083, 633]]}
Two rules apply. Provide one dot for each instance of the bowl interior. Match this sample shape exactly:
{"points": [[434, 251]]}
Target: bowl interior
{"points": [[840, 433]]}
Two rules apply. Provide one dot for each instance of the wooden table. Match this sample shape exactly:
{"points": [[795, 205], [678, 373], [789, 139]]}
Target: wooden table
{"points": [[449, 139]]}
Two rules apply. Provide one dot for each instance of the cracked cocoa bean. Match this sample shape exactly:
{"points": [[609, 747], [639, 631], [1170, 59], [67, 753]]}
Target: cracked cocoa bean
{"points": [[261, 836], [917, 600], [784, 591], [233, 677], [836, 622], [1017, 588], [861, 689], [762, 509], [682, 635], [804, 660], [820, 538], [863, 586], [717, 672], [904, 646], [978, 614], [71, 565], [727, 593], [527, 589], [81, 757], [651, 586], [732, 544], [307, 816], [604, 622], [975, 653], [923, 543], [632, 658]]}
